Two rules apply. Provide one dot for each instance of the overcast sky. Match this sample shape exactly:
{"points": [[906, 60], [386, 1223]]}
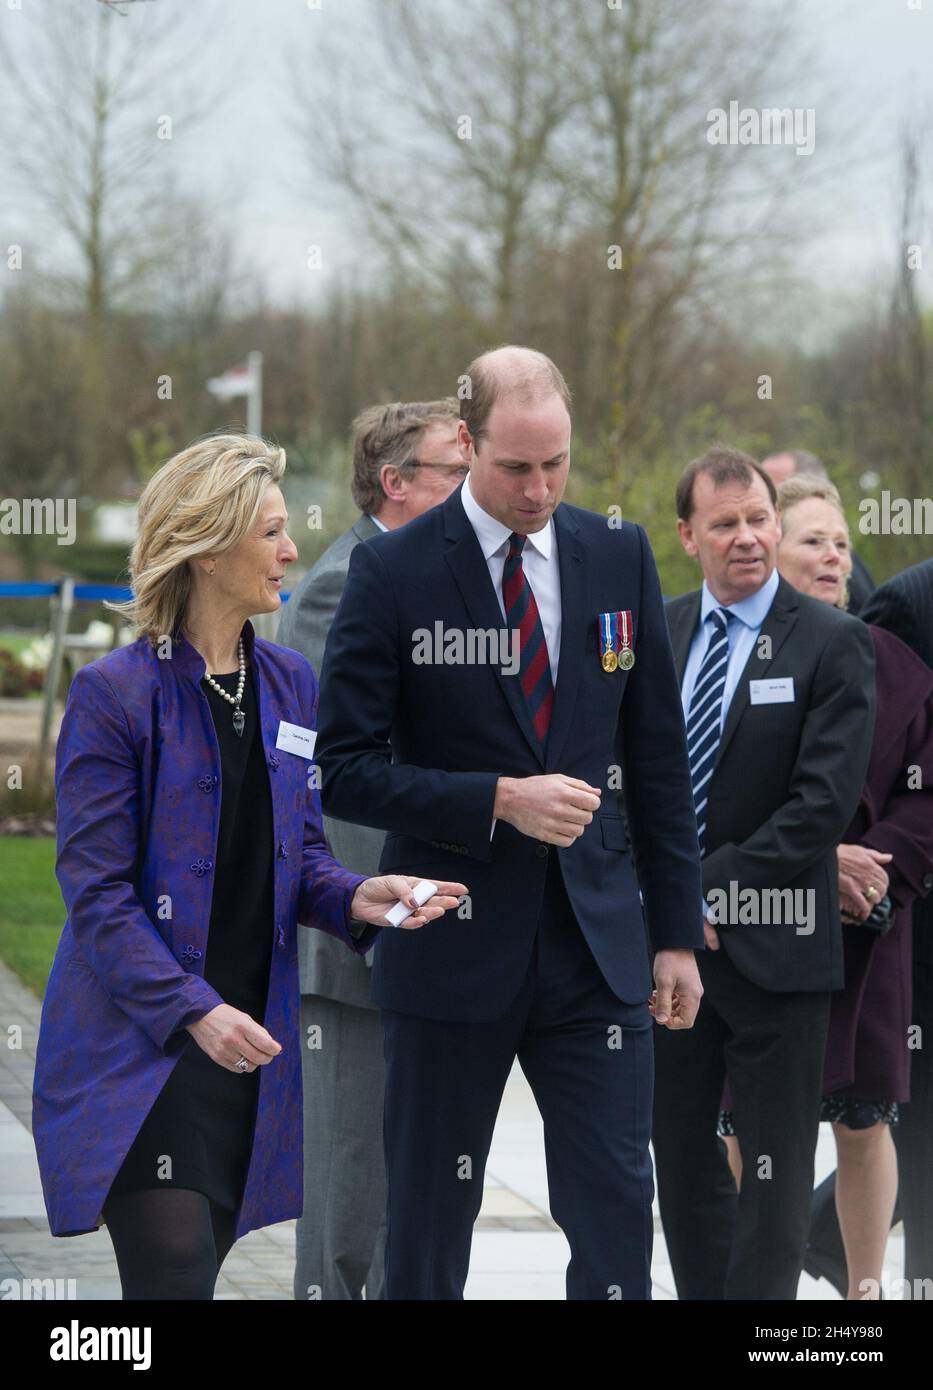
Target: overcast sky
{"points": [[877, 55]]}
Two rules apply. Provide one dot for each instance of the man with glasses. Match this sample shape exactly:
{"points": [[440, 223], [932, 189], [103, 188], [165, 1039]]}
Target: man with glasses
{"points": [[405, 461]]}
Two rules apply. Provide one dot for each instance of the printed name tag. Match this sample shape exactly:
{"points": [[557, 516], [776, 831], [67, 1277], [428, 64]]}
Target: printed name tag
{"points": [[294, 739], [779, 690]]}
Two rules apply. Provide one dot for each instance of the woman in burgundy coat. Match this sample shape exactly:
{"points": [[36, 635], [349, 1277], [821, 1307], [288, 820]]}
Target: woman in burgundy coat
{"points": [[886, 855]]}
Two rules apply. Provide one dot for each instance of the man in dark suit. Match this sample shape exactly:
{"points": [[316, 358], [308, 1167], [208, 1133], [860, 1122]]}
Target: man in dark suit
{"points": [[780, 467], [511, 652], [778, 697], [904, 606], [405, 460]]}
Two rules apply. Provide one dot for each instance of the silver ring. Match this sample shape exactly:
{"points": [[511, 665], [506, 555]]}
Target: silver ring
{"points": [[242, 1064]]}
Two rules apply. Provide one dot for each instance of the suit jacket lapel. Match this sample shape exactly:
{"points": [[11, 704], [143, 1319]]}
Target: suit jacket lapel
{"points": [[682, 623], [778, 623], [469, 568], [575, 630]]}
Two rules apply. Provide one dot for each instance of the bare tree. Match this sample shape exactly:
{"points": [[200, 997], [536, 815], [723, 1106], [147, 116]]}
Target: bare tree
{"points": [[88, 156], [638, 174], [40, 386], [91, 98], [501, 150], [439, 139], [906, 364]]}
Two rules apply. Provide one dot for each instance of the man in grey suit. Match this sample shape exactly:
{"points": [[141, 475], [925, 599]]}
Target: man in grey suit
{"points": [[405, 461]]}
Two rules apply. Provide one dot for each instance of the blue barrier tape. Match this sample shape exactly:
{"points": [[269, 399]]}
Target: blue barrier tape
{"points": [[92, 593]]}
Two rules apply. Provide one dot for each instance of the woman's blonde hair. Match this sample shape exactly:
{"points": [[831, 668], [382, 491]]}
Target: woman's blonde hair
{"points": [[201, 503], [800, 488]]}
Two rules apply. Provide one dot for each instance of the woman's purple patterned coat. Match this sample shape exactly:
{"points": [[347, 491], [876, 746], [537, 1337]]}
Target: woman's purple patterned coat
{"points": [[138, 785]]}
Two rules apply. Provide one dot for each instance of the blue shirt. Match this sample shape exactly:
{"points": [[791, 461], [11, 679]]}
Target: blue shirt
{"points": [[750, 613]]}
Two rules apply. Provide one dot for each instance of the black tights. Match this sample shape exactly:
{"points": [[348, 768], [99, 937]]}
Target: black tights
{"points": [[170, 1242]]}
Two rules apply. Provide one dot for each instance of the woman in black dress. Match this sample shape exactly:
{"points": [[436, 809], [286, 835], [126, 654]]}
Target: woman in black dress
{"points": [[167, 1095], [198, 1135]]}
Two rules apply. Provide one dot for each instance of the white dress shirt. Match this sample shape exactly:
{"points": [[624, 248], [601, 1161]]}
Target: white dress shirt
{"points": [[539, 561]]}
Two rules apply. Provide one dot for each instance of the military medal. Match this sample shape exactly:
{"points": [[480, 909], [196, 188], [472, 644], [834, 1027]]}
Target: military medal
{"points": [[615, 641], [626, 655], [608, 641]]}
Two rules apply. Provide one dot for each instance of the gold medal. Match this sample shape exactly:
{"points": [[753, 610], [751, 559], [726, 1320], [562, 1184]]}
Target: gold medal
{"points": [[610, 660]]}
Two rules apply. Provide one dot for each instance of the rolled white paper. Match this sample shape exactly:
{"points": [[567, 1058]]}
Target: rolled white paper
{"points": [[422, 891]]}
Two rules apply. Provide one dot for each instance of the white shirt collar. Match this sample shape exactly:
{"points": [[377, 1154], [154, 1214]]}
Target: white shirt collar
{"points": [[492, 534], [381, 526]]}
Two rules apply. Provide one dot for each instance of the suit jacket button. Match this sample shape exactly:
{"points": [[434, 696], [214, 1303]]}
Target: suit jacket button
{"points": [[928, 880], [542, 851]]}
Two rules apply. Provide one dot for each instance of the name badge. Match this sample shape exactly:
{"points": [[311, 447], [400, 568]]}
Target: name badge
{"points": [[779, 690], [294, 739]]}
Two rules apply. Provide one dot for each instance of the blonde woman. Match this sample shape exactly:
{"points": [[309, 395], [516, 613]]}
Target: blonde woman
{"points": [[167, 1100], [883, 862]]}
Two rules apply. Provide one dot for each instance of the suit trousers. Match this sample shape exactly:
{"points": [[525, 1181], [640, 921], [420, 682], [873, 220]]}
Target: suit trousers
{"points": [[588, 1059], [725, 1245], [340, 1237]]}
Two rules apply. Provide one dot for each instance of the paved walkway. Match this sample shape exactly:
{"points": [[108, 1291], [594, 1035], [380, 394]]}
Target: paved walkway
{"points": [[518, 1252]]}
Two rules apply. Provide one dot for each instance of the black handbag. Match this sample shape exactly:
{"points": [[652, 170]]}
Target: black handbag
{"points": [[880, 920]]}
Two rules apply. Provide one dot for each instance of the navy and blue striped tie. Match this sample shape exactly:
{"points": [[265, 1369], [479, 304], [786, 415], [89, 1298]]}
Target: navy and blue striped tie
{"points": [[521, 612], [705, 714]]}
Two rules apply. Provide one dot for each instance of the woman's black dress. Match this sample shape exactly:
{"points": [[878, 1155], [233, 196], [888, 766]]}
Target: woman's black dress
{"points": [[204, 1117]]}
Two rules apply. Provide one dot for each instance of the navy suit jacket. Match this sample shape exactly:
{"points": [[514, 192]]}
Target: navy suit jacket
{"points": [[455, 729]]}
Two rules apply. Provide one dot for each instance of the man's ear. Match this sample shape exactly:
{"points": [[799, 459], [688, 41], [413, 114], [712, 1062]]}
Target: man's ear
{"points": [[392, 482], [465, 443], [685, 532]]}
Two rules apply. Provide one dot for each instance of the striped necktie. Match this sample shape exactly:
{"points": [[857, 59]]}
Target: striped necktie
{"points": [[705, 714], [521, 612]]}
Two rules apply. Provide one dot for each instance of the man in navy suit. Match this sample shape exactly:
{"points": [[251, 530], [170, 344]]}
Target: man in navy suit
{"points": [[510, 653]]}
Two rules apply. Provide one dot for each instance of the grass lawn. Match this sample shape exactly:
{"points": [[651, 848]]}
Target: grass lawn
{"points": [[32, 913]]}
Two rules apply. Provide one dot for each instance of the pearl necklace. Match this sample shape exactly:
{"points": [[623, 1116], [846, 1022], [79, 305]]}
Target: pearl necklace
{"points": [[239, 718]]}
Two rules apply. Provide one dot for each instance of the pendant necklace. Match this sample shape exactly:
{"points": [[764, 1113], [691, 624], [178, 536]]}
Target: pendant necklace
{"points": [[239, 718]]}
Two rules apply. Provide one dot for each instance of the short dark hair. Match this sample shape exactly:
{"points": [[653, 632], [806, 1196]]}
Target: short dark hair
{"points": [[722, 464], [390, 434], [523, 373]]}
